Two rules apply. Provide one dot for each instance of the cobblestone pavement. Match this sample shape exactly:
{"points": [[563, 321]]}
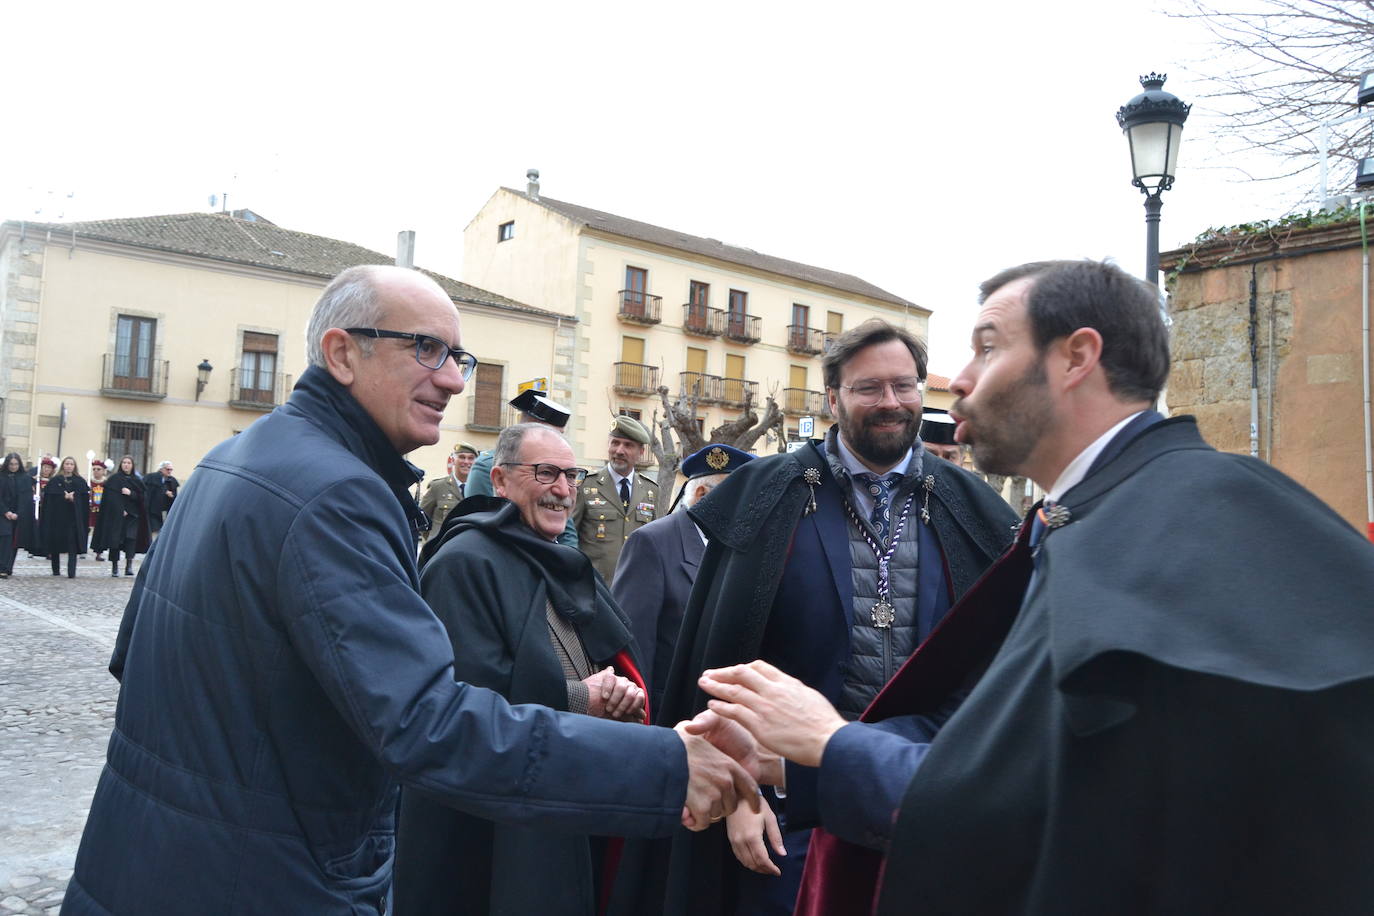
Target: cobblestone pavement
{"points": [[57, 704]]}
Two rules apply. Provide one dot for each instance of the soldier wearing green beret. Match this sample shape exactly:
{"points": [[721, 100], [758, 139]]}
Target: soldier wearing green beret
{"points": [[616, 500], [446, 492]]}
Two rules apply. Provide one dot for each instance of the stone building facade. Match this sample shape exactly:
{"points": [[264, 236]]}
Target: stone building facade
{"points": [[1295, 288]]}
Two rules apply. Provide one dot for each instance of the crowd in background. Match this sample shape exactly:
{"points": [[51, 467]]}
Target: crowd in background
{"points": [[50, 510]]}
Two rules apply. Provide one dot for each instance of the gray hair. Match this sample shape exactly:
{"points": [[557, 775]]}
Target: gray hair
{"points": [[512, 438], [349, 301]]}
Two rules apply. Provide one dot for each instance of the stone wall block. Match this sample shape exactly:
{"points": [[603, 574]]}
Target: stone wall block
{"points": [[1185, 383], [1225, 425]]}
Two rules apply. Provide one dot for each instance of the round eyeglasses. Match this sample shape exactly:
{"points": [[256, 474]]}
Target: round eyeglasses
{"points": [[430, 352], [868, 392], [549, 473]]}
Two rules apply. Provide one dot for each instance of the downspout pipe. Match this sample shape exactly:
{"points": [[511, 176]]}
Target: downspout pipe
{"points": [[1254, 363], [1364, 344]]}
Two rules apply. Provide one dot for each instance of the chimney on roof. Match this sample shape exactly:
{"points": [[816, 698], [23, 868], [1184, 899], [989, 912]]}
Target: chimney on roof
{"points": [[405, 248], [532, 189]]}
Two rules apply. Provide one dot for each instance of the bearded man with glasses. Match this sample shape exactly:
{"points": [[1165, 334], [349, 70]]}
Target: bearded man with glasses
{"points": [[530, 619], [833, 563]]}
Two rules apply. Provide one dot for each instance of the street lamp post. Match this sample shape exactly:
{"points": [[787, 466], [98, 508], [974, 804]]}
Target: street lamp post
{"points": [[1153, 124]]}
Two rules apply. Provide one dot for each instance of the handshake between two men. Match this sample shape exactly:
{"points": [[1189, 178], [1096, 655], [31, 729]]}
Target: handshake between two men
{"points": [[759, 717]]}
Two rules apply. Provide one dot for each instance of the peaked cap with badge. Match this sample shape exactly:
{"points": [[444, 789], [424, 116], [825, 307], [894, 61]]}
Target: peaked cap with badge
{"points": [[716, 458]]}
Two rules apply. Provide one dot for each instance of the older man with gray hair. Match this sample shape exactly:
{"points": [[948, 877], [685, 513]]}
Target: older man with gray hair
{"points": [[529, 618], [280, 674]]}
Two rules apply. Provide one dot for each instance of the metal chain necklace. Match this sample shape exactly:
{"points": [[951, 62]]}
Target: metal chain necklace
{"points": [[884, 613]]}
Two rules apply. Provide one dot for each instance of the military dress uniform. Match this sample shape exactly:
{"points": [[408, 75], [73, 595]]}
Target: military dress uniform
{"points": [[439, 499], [604, 523]]}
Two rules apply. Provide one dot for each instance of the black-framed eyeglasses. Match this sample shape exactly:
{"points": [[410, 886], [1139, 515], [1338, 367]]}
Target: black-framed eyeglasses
{"points": [[548, 473], [430, 352], [868, 392]]}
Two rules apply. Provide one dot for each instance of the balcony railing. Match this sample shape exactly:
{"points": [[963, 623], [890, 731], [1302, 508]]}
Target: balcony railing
{"points": [[705, 388], [125, 376], [638, 307], [636, 378], [804, 340], [742, 328], [733, 392], [803, 402], [702, 321], [252, 390]]}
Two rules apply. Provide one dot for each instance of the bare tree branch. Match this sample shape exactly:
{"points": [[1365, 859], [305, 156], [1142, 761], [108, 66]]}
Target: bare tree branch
{"points": [[1282, 68]]}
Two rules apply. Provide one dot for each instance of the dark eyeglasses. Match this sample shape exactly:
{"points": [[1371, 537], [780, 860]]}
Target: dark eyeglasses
{"points": [[548, 473], [430, 352]]}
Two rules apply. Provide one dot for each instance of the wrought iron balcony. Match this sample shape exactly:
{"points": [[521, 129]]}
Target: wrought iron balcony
{"points": [[638, 307], [804, 340], [705, 388], [127, 376], [252, 390], [803, 402], [636, 378], [702, 321], [734, 391], [742, 328]]}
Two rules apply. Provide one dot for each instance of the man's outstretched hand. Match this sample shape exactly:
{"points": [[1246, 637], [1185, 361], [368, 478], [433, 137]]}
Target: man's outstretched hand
{"points": [[715, 783], [782, 713]]}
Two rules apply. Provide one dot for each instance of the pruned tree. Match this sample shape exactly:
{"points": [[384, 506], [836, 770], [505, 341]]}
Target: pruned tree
{"points": [[675, 435], [1283, 68]]}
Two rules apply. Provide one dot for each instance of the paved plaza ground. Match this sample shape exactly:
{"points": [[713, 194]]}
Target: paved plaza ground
{"points": [[57, 703]]}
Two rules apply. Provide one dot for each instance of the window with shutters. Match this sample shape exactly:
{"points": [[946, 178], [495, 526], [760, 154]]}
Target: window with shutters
{"points": [[487, 401], [257, 380]]}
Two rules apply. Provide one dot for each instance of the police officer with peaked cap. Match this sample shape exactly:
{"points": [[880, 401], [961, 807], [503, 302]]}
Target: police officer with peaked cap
{"points": [[659, 565]]}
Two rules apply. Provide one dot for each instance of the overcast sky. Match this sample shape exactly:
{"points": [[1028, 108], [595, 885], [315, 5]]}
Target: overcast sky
{"points": [[922, 147]]}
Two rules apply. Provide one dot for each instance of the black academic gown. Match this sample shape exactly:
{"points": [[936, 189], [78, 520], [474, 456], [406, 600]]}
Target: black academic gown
{"points": [[1179, 720], [63, 521], [114, 506]]}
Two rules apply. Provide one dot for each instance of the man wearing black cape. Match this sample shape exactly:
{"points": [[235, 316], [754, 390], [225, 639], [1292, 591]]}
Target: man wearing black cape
{"points": [[833, 562], [1174, 665]]}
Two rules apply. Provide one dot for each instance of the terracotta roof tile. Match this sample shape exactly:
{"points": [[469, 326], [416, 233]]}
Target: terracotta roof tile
{"points": [[714, 248], [246, 238]]}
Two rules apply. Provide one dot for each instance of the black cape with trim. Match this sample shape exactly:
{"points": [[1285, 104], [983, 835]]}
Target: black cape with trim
{"points": [[750, 519], [1181, 720]]}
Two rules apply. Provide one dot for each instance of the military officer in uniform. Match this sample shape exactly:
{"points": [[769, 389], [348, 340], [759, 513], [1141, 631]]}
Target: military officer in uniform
{"points": [[446, 492], [617, 499]]}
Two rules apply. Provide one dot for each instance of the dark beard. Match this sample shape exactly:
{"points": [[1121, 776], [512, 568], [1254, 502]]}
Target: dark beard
{"points": [[880, 449], [1008, 426]]}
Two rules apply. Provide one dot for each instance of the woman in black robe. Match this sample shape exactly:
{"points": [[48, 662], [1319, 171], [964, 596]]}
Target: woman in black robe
{"points": [[122, 524], [62, 516], [16, 498]]}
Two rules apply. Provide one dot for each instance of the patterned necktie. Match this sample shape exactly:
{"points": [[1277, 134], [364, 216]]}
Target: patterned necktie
{"points": [[625, 494], [880, 488]]}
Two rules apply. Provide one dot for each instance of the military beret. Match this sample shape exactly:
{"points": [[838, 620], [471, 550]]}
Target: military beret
{"points": [[464, 447], [937, 428], [714, 459], [538, 407], [630, 428]]}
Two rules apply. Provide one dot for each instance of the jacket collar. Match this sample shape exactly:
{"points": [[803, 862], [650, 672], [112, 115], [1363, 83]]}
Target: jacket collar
{"points": [[322, 400]]}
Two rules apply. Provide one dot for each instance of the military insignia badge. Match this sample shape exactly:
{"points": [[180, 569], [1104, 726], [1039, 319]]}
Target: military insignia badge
{"points": [[716, 459]]}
